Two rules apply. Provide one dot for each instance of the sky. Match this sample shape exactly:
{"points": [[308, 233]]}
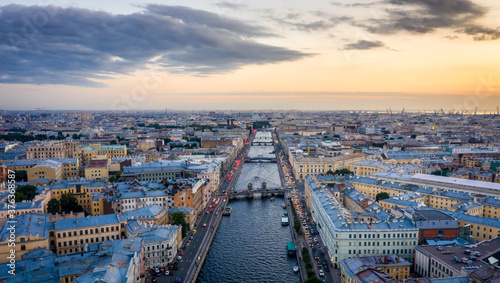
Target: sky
{"points": [[250, 55]]}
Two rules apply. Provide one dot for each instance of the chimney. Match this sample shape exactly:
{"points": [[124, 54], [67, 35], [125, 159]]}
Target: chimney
{"points": [[39, 222], [76, 220]]}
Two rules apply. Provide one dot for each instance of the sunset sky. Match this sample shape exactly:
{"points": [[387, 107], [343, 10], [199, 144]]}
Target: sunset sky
{"points": [[250, 55]]}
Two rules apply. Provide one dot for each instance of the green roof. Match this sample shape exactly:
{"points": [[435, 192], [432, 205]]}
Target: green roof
{"points": [[290, 246]]}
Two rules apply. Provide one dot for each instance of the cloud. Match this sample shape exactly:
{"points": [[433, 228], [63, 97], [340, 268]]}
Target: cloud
{"points": [[426, 16], [321, 22], [364, 45], [230, 5], [74, 46], [479, 32]]}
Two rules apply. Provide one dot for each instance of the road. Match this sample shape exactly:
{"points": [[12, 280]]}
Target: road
{"points": [[304, 216]]}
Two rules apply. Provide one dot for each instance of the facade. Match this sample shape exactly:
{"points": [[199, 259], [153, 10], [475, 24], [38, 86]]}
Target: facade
{"points": [[71, 235], [352, 225], [83, 191], [160, 245], [97, 169], [32, 231], [445, 262], [315, 166], [433, 224]]}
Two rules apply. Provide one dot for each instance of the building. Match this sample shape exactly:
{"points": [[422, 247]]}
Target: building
{"points": [[393, 265], [83, 191], [30, 231], [352, 225], [97, 169], [449, 261], [434, 224], [314, 166], [71, 235], [161, 244]]}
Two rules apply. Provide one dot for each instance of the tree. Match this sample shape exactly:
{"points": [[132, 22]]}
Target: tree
{"points": [[381, 196], [344, 171], [179, 218], [26, 192], [329, 173], [313, 279], [21, 175], [53, 206], [413, 136], [70, 203], [113, 142]]}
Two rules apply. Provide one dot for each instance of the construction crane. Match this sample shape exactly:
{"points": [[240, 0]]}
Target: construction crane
{"points": [[403, 112], [442, 111], [498, 111], [475, 111]]}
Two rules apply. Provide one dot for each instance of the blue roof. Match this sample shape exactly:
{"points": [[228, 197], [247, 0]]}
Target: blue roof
{"points": [[89, 221]]}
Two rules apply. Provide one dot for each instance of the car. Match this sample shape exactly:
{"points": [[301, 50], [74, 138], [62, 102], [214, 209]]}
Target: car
{"points": [[153, 280], [316, 257], [162, 269], [181, 254], [208, 211], [316, 240], [157, 271], [167, 273], [204, 224], [194, 231], [211, 210], [179, 257], [311, 244], [321, 273], [317, 245], [191, 237], [178, 280]]}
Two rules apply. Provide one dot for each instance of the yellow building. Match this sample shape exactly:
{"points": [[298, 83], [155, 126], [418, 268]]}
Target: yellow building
{"points": [[31, 231], [46, 169], [97, 169], [71, 235], [394, 265], [87, 153], [312, 166], [83, 191], [47, 150]]}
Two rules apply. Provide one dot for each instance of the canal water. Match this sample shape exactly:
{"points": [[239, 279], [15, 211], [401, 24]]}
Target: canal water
{"points": [[250, 245]]}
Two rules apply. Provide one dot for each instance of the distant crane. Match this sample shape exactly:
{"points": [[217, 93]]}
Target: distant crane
{"points": [[475, 111], [442, 111], [498, 111], [403, 112]]}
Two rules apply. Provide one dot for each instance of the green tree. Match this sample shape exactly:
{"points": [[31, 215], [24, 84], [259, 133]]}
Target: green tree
{"points": [[179, 218], [381, 196], [70, 203], [113, 142], [21, 175], [413, 136], [53, 206], [329, 173], [343, 172], [28, 191], [313, 279]]}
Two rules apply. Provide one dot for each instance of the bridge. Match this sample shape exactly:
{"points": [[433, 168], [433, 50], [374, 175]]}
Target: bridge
{"points": [[262, 142], [261, 159], [258, 193]]}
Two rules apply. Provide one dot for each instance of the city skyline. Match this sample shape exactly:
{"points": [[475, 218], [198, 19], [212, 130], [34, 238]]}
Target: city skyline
{"points": [[230, 55]]}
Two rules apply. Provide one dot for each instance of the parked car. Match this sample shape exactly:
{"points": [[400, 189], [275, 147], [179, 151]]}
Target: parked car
{"points": [[321, 273], [178, 280], [167, 273]]}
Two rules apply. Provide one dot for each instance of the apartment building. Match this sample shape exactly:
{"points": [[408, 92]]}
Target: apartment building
{"points": [[72, 235], [314, 166], [97, 169], [393, 265], [83, 191], [353, 225]]}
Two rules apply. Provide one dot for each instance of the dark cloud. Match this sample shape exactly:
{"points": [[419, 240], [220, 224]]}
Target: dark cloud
{"points": [[364, 45], [426, 16], [479, 32], [73, 46]]}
